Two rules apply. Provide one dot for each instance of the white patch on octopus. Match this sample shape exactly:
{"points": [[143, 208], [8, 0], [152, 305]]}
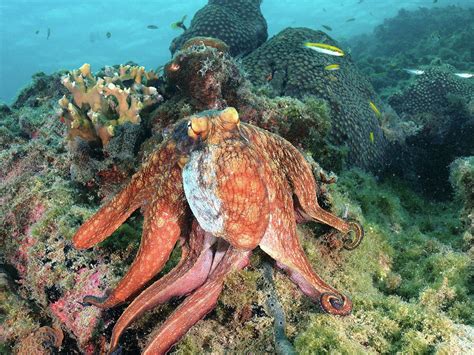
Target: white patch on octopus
{"points": [[200, 185]]}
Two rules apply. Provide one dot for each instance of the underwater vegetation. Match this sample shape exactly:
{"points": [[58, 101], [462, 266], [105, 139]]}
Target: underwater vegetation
{"points": [[420, 62], [415, 40], [410, 280]]}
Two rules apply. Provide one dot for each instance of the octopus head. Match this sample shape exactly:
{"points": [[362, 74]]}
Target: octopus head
{"points": [[207, 127]]}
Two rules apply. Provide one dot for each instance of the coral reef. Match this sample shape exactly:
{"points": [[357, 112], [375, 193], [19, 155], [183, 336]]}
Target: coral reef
{"points": [[39, 210], [431, 92], [100, 104], [413, 39], [411, 278], [107, 120], [438, 104], [239, 23], [286, 67], [434, 107]]}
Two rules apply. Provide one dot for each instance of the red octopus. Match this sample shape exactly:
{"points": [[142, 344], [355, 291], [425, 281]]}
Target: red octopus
{"points": [[221, 188]]}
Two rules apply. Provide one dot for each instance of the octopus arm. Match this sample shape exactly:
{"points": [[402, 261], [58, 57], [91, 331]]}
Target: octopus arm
{"points": [[300, 178], [197, 305], [163, 225], [281, 243], [190, 273], [115, 212]]}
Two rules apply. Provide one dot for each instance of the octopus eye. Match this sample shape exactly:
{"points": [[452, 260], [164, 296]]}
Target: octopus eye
{"points": [[229, 118], [198, 127]]}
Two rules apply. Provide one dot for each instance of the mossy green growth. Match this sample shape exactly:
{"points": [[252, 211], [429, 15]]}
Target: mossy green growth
{"points": [[306, 123], [127, 235], [409, 280], [462, 179]]}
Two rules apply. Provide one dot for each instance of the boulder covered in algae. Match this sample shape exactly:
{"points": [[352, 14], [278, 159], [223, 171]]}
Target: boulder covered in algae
{"points": [[285, 66], [415, 39], [239, 23]]}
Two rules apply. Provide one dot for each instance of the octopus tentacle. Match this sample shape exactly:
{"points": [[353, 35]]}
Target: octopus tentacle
{"points": [[115, 212], [190, 273], [197, 305], [281, 243], [162, 228], [354, 237], [300, 177]]}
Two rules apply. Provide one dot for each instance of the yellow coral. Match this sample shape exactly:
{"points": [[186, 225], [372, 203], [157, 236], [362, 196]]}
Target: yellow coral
{"points": [[100, 103]]}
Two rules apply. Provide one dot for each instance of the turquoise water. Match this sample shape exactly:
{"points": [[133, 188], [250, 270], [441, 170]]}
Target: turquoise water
{"points": [[78, 30]]}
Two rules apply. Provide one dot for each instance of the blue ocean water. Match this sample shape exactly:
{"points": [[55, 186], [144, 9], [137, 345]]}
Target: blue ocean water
{"points": [[78, 30]]}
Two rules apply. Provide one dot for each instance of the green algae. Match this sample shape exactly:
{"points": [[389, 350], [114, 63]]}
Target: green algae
{"points": [[409, 280]]}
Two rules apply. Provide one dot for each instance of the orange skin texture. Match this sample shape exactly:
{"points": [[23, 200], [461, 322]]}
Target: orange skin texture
{"points": [[221, 188]]}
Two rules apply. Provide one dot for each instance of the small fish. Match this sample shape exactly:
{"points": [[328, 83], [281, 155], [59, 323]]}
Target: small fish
{"points": [[37, 31], [108, 35], [375, 109], [49, 33], [152, 27], [327, 27], [371, 136], [332, 67], [350, 19], [415, 71], [324, 48], [360, 1], [179, 24], [435, 1], [464, 75], [324, 9]]}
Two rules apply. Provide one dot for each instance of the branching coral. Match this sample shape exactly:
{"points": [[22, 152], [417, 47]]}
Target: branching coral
{"points": [[99, 104]]}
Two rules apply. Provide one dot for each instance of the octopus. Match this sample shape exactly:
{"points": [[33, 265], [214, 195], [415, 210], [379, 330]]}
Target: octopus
{"points": [[220, 188]]}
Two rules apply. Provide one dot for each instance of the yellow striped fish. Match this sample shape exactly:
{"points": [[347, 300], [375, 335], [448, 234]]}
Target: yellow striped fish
{"points": [[371, 136], [324, 48], [375, 109], [332, 67]]}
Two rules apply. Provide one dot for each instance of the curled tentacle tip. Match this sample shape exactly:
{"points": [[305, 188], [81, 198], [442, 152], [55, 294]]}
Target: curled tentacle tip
{"points": [[94, 301], [354, 236], [84, 304], [336, 304]]}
